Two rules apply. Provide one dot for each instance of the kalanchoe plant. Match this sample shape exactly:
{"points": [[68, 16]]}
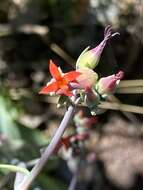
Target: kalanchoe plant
{"points": [[78, 87]]}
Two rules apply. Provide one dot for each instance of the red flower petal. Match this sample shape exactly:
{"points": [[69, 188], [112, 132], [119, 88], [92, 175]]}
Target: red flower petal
{"points": [[54, 71], [71, 76], [65, 92], [52, 87], [63, 86]]}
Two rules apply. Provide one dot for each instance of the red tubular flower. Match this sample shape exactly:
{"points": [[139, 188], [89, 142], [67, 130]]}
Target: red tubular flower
{"points": [[60, 82]]}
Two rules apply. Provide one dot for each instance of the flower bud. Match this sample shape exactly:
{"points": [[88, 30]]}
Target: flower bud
{"points": [[90, 58], [92, 99], [87, 79], [108, 84]]}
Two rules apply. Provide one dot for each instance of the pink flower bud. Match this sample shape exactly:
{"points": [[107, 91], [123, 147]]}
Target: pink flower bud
{"points": [[87, 79], [108, 84], [90, 58]]}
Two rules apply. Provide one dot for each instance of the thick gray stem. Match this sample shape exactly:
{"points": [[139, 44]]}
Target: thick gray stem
{"points": [[27, 181]]}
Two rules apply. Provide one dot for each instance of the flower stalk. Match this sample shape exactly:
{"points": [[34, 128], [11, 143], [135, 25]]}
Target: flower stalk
{"points": [[83, 83], [73, 182], [27, 181]]}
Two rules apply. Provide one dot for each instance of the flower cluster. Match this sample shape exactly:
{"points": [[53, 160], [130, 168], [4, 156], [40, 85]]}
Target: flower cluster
{"points": [[84, 81]]}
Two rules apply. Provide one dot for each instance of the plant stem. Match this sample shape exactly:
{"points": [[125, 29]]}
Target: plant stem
{"points": [[14, 168], [19, 176], [27, 181], [73, 182]]}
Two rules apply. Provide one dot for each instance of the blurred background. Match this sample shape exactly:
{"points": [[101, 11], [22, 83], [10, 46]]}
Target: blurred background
{"points": [[31, 33]]}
